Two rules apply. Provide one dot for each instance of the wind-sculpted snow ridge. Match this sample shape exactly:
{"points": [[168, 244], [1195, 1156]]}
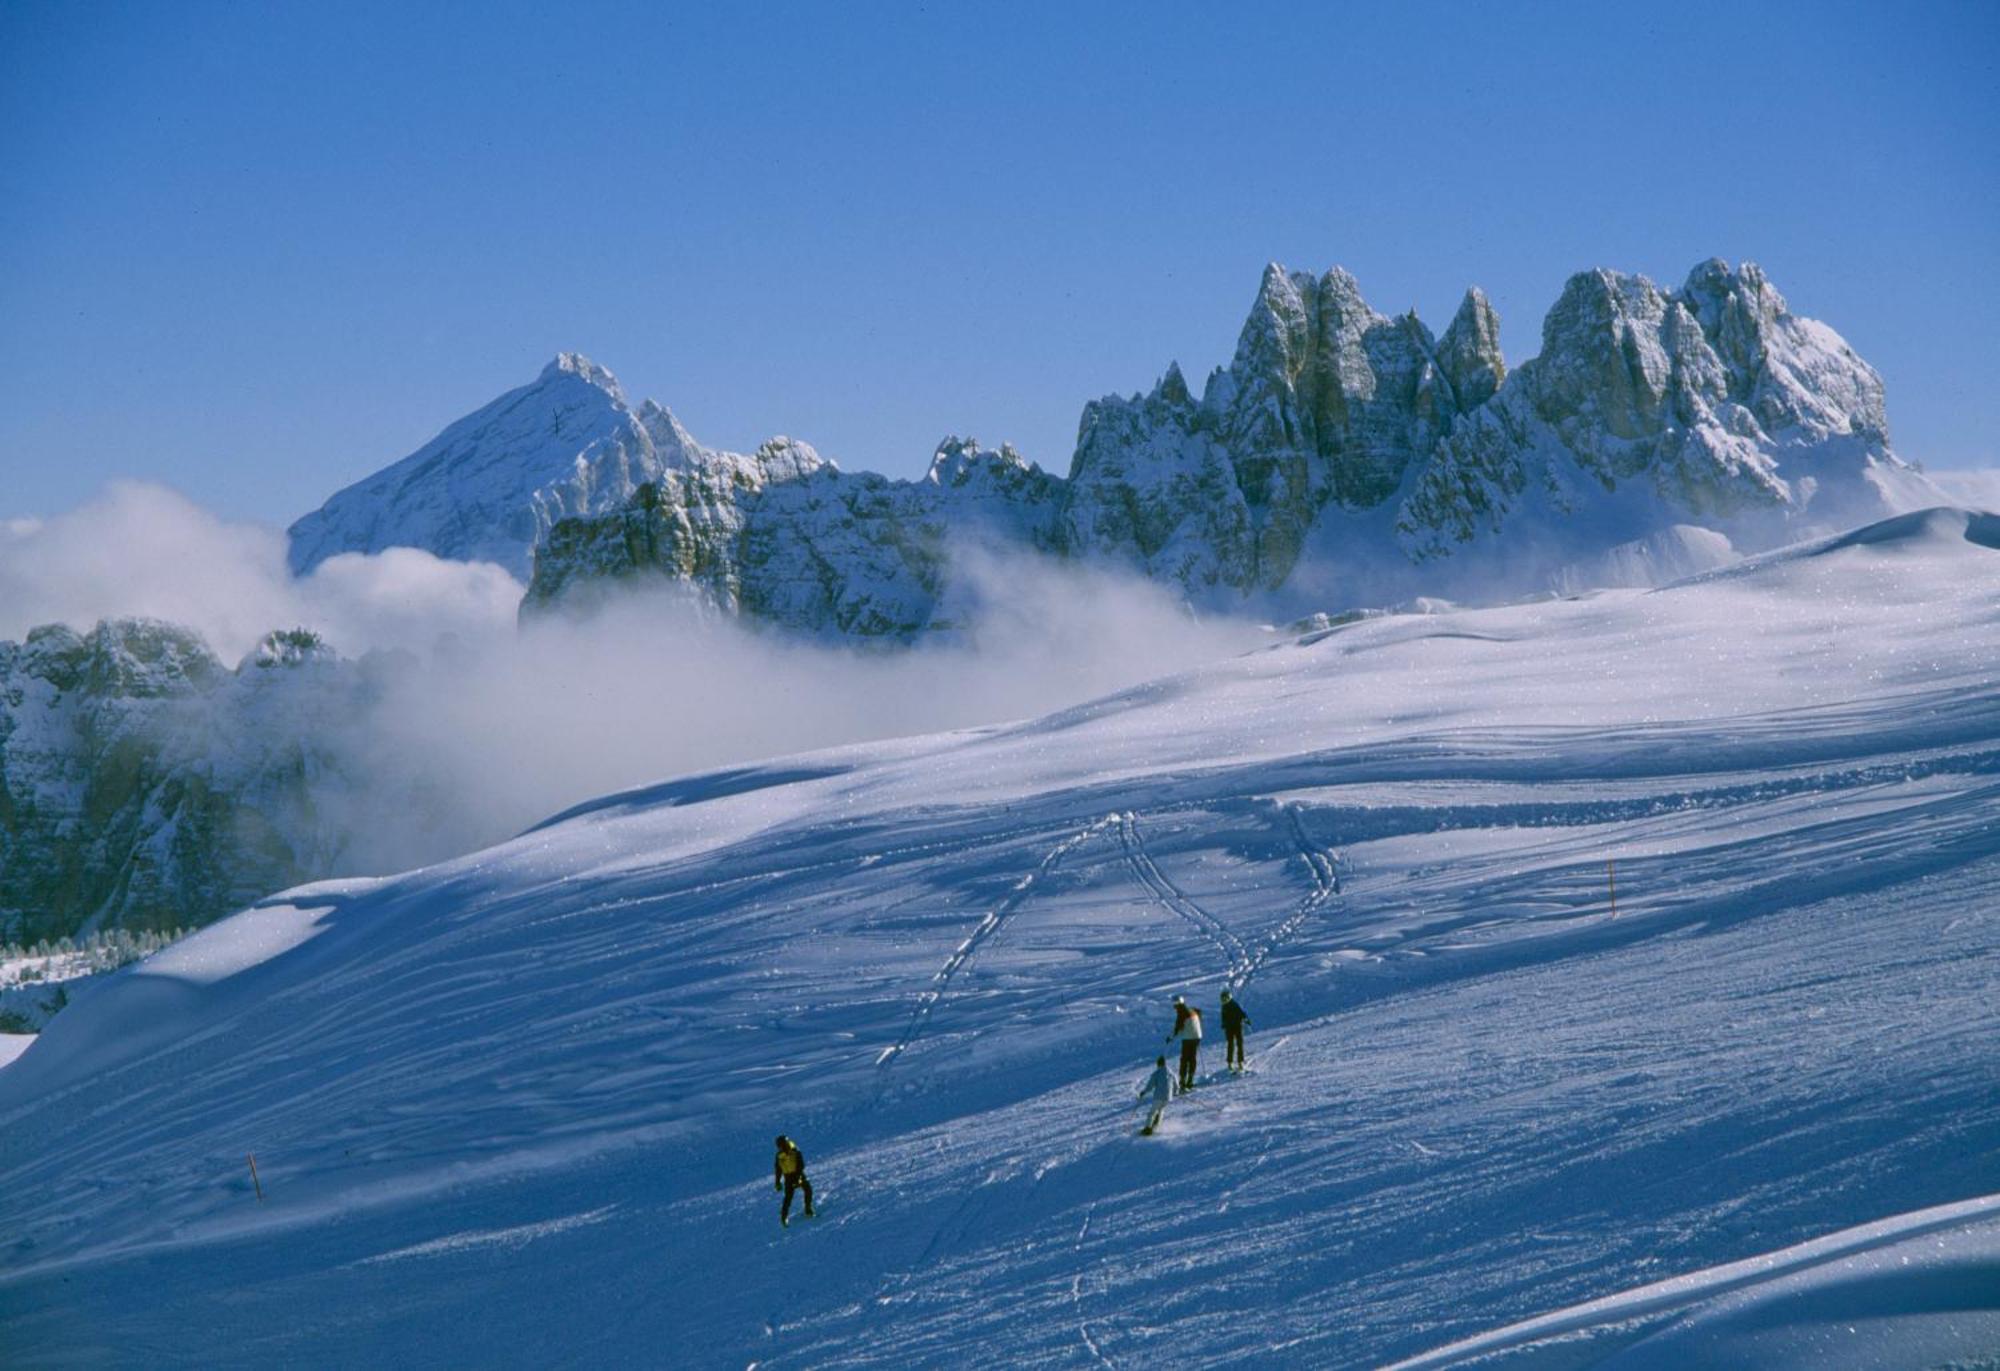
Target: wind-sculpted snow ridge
{"points": [[517, 1109], [1342, 458]]}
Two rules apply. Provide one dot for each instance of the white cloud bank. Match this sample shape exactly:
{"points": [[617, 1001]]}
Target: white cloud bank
{"points": [[146, 551], [516, 723]]}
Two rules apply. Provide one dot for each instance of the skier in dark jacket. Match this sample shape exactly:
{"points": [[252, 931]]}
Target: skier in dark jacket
{"points": [[1233, 1019], [789, 1174]]}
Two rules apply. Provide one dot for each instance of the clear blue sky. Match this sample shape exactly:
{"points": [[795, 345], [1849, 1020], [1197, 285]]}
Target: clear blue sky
{"points": [[258, 251]]}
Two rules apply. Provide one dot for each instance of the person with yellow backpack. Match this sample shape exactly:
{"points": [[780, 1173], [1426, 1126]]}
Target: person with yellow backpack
{"points": [[789, 1175]]}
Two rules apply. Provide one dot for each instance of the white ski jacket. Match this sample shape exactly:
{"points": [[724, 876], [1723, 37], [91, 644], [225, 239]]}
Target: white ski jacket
{"points": [[1190, 1029], [1159, 1085]]}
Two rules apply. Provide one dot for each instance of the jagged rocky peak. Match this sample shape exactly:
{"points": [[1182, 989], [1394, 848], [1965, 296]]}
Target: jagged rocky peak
{"points": [[958, 462], [1469, 352], [1326, 403], [1610, 348], [1327, 399], [1790, 372], [675, 445], [788, 459], [576, 366]]}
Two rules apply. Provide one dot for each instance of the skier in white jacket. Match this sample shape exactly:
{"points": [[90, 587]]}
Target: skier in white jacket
{"points": [[1159, 1088], [1187, 1032]]}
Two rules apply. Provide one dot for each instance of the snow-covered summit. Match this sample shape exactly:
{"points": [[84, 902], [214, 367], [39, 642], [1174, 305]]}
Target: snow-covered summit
{"points": [[577, 365], [489, 487]]}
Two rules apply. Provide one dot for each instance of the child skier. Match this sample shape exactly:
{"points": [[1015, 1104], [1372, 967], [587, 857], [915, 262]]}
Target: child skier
{"points": [[789, 1174], [1187, 1032], [1159, 1087], [1233, 1019]]}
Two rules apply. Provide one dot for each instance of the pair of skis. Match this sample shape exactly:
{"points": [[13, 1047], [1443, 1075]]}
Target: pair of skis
{"points": [[1232, 1072]]}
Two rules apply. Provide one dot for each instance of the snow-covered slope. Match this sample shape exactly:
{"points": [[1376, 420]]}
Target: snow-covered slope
{"points": [[517, 1108]]}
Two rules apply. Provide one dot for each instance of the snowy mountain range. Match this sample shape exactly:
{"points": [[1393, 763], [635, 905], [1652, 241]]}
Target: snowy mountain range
{"points": [[1342, 458], [1620, 973]]}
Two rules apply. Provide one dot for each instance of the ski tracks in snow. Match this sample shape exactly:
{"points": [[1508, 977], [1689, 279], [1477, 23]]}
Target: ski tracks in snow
{"points": [[1326, 885], [986, 928], [1076, 1292], [1172, 897], [1243, 962]]}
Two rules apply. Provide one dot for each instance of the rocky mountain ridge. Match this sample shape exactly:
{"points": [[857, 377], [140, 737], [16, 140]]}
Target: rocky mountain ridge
{"points": [[1342, 456]]}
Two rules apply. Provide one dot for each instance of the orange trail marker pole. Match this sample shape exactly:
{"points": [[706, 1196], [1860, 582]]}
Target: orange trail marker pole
{"points": [[253, 1178], [1611, 875]]}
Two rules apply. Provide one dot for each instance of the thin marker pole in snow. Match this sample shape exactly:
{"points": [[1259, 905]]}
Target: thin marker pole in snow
{"points": [[1611, 875], [253, 1178]]}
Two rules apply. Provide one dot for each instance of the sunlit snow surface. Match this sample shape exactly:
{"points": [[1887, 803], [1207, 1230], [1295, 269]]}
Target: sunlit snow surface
{"points": [[517, 1109]]}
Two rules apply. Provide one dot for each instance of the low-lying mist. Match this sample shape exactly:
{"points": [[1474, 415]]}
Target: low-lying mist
{"points": [[499, 725]]}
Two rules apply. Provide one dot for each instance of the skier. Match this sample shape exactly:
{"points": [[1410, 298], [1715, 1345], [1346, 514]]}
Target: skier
{"points": [[1187, 1032], [789, 1174], [1233, 1019], [1159, 1087]]}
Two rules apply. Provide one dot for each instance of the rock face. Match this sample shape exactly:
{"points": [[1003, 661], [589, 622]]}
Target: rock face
{"points": [[1340, 454], [1646, 410], [1715, 401], [1327, 403], [145, 785], [790, 539]]}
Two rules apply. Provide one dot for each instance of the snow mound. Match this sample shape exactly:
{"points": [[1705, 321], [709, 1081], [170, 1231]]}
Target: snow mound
{"points": [[1914, 1290], [1942, 531]]}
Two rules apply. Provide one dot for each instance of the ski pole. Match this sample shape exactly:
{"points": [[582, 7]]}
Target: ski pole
{"points": [[253, 1178]]}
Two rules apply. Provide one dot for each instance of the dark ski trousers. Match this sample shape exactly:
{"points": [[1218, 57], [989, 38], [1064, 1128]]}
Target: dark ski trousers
{"points": [[1235, 1044], [798, 1182], [1190, 1048]]}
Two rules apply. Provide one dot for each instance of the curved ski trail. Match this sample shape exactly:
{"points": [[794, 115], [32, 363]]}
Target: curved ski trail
{"points": [[1326, 884], [1174, 898]]}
